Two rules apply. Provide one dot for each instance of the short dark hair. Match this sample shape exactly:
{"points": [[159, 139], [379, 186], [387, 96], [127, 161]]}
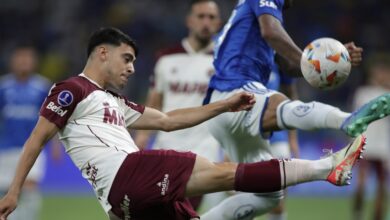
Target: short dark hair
{"points": [[24, 46], [194, 2], [112, 36]]}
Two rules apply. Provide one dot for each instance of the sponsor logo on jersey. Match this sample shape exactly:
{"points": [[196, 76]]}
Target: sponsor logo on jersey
{"points": [[111, 116], [57, 109], [91, 172], [164, 184], [265, 3], [125, 207], [185, 87], [65, 98]]}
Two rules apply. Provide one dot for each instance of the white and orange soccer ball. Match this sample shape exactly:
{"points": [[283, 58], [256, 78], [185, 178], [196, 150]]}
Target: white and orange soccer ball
{"points": [[325, 63]]}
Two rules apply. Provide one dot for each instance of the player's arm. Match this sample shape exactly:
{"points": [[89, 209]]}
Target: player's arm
{"points": [[288, 53], [154, 100], [153, 119], [276, 36], [43, 131]]}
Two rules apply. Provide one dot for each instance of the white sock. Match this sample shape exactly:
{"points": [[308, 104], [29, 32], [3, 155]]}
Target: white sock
{"points": [[244, 206], [29, 206], [273, 216], [296, 171], [309, 116]]}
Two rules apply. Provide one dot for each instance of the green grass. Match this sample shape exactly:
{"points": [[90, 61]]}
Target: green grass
{"points": [[88, 208], [71, 208], [317, 208]]}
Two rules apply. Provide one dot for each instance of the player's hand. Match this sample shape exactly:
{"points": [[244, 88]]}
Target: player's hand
{"points": [[355, 53], [241, 101], [7, 206]]}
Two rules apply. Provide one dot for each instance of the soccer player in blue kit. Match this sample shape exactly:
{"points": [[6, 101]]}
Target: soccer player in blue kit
{"points": [[243, 58], [21, 95]]}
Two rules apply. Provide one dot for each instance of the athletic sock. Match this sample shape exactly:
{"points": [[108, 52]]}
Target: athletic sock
{"points": [[309, 116], [29, 206], [258, 177], [274, 175], [296, 171]]}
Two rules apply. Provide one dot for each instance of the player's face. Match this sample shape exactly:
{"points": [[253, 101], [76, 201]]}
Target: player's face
{"points": [[23, 62], [119, 65], [203, 21]]}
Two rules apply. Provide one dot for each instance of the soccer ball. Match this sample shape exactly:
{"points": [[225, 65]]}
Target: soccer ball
{"points": [[325, 63]]}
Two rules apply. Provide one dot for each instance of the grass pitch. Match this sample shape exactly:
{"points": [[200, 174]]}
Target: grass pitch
{"points": [[87, 208]]}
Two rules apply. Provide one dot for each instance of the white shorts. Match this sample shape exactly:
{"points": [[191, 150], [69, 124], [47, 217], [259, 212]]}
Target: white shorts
{"points": [[240, 132], [8, 162]]}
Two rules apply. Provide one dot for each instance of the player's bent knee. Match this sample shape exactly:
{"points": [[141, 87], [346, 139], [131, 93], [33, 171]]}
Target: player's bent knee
{"points": [[269, 121], [276, 99]]}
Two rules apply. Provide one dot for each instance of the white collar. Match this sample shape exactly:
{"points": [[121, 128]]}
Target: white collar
{"points": [[93, 82]]}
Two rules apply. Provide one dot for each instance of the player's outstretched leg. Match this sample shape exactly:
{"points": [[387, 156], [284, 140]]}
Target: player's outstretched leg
{"points": [[359, 120], [344, 160], [335, 168], [276, 174]]}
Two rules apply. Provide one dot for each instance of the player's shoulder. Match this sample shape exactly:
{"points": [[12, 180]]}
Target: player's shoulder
{"points": [[369, 91], [78, 85], [171, 50], [361, 90], [6, 80]]}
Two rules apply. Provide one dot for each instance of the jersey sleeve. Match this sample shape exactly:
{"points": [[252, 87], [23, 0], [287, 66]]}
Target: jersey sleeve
{"points": [[132, 111], [61, 102], [272, 7]]}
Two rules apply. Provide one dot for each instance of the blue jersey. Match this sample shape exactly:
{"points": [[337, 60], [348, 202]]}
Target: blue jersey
{"points": [[19, 108], [276, 78], [241, 54]]}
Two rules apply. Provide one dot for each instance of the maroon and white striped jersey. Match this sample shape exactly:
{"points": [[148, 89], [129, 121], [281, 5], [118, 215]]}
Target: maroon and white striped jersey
{"points": [[92, 123], [182, 75]]}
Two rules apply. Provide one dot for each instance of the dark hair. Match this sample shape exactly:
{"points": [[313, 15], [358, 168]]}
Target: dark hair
{"points": [[194, 2], [23, 46], [109, 35]]}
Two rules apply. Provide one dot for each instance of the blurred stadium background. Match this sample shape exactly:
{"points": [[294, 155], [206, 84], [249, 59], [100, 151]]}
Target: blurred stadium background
{"points": [[59, 29]]}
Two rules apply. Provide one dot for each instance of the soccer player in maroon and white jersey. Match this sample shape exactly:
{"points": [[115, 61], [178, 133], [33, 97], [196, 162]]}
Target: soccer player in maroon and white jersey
{"points": [[378, 150], [180, 80], [92, 123]]}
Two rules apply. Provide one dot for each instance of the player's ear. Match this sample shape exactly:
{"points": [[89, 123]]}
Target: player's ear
{"points": [[102, 52]]}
